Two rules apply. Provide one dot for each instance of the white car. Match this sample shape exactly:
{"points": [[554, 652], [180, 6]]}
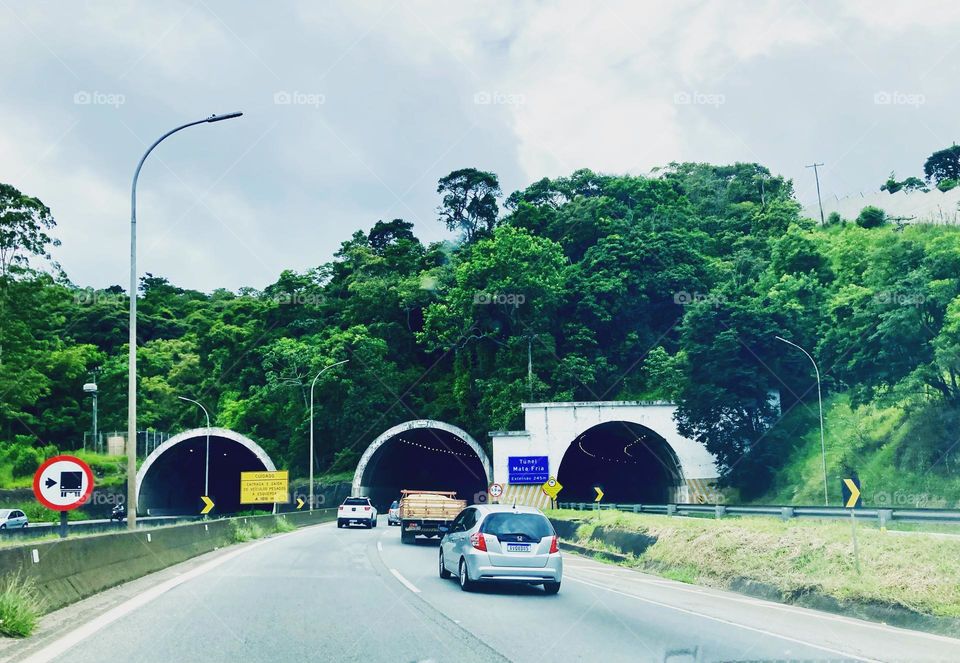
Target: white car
{"points": [[357, 511], [12, 519]]}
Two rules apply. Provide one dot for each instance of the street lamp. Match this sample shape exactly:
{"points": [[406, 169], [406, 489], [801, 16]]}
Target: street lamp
{"points": [[132, 368], [823, 448], [312, 384], [91, 388], [206, 464]]}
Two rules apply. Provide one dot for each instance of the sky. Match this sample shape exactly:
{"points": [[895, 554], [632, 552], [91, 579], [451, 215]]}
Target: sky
{"points": [[354, 110]]}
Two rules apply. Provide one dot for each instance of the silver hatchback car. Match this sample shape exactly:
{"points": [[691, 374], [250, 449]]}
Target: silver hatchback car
{"points": [[497, 543]]}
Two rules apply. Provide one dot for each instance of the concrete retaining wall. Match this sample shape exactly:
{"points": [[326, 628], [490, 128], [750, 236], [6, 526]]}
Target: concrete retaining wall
{"points": [[68, 570]]}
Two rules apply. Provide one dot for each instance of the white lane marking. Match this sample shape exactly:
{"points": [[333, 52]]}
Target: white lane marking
{"points": [[56, 649], [406, 583], [725, 621], [380, 546], [681, 587]]}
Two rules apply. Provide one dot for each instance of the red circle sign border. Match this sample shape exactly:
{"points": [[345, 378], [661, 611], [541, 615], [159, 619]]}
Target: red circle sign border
{"points": [[58, 507]]}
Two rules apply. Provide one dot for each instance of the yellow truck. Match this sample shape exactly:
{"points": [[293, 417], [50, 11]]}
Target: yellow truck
{"points": [[422, 512]]}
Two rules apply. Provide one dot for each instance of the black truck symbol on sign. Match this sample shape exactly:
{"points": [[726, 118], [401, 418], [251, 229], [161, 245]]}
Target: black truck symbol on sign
{"points": [[71, 483]]}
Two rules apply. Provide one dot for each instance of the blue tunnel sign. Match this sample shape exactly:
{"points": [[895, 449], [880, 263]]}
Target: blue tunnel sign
{"points": [[528, 469]]}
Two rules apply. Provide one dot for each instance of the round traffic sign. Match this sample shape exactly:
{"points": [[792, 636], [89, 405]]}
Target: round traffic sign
{"points": [[63, 483], [496, 490]]}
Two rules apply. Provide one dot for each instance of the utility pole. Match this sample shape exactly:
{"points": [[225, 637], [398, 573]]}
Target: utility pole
{"points": [[816, 175]]}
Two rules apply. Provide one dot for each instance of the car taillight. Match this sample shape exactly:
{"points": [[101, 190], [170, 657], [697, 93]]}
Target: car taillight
{"points": [[366, 508], [478, 541], [554, 545]]}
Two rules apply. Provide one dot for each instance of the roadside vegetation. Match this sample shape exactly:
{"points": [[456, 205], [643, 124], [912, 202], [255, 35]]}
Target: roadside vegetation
{"points": [[20, 606], [241, 532], [915, 571], [672, 285]]}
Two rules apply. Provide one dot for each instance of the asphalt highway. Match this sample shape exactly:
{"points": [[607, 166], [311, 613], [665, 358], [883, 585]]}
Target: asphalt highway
{"points": [[326, 594]]}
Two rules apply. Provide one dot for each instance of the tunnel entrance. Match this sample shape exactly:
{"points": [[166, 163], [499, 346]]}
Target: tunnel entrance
{"points": [[629, 462], [422, 455], [170, 481]]}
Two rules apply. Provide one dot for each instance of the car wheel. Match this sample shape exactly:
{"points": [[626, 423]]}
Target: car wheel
{"points": [[551, 587], [406, 537], [339, 523], [3, 526], [374, 522], [465, 583], [443, 570]]}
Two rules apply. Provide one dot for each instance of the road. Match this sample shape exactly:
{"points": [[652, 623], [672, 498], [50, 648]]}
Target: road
{"points": [[322, 593]]}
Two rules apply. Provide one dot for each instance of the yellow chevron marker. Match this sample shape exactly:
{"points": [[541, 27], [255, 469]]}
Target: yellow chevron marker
{"points": [[854, 489], [599, 494], [207, 505], [300, 503]]}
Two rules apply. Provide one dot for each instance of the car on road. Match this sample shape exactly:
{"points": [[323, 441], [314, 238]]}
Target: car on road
{"points": [[498, 543], [13, 519], [357, 511], [393, 515]]}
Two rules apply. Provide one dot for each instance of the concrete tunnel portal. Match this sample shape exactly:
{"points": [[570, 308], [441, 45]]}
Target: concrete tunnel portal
{"points": [[171, 479], [422, 455]]}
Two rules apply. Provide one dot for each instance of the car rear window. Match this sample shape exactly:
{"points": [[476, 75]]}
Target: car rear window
{"points": [[530, 525], [354, 501]]}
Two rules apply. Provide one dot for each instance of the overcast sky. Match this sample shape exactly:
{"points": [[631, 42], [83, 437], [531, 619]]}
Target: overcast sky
{"points": [[353, 110]]}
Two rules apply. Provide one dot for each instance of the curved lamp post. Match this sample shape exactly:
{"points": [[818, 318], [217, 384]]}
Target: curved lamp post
{"points": [[206, 464], [312, 385], [823, 448], [132, 369]]}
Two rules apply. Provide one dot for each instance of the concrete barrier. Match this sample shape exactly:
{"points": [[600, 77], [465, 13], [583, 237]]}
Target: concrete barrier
{"points": [[68, 570]]}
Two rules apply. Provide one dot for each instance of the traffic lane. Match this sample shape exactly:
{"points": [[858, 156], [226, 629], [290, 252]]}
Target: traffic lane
{"points": [[856, 637], [584, 622], [315, 594]]}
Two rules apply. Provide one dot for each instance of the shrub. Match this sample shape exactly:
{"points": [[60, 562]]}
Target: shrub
{"points": [[871, 217], [20, 606]]}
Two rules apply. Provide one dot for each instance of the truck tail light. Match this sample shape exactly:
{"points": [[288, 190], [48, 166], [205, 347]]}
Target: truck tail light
{"points": [[366, 508], [554, 545], [478, 541]]}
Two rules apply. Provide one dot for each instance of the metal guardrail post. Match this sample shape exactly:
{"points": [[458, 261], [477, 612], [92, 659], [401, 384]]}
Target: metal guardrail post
{"points": [[671, 509], [884, 515], [720, 511], [636, 508], [786, 513]]}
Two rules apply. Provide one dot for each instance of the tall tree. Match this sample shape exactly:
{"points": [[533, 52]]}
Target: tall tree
{"points": [[469, 202], [943, 164]]}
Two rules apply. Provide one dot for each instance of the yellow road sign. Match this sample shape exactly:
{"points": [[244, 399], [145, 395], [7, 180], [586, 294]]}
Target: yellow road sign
{"points": [[207, 505], [300, 503], [853, 500], [552, 488], [599, 494], [264, 487]]}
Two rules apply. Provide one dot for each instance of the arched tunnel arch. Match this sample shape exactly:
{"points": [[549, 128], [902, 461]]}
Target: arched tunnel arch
{"points": [[422, 455], [629, 462], [170, 481]]}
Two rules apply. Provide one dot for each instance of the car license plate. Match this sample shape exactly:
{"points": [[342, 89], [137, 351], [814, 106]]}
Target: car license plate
{"points": [[518, 547]]}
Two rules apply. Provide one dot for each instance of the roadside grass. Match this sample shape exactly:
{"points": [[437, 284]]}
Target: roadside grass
{"points": [[20, 606], [919, 572], [241, 532], [868, 439]]}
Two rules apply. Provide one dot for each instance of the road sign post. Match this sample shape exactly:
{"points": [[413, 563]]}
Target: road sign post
{"points": [[63, 483], [853, 500]]}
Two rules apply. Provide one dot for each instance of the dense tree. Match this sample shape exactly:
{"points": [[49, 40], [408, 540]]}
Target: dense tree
{"points": [[469, 202], [943, 164]]}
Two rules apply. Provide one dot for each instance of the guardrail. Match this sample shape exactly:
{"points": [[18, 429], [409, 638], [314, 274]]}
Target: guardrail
{"points": [[36, 530], [883, 516]]}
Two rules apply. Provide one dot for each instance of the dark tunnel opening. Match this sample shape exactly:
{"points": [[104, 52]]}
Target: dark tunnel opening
{"points": [[173, 484], [423, 459], [628, 462]]}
